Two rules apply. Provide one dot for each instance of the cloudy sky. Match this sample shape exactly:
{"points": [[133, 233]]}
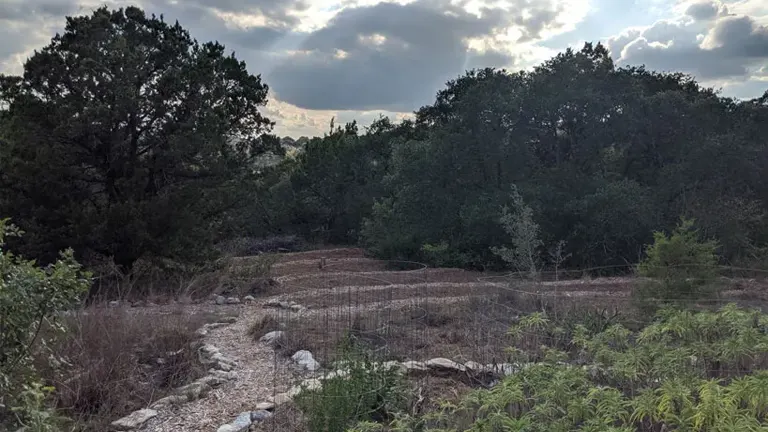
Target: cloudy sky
{"points": [[357, 59]]}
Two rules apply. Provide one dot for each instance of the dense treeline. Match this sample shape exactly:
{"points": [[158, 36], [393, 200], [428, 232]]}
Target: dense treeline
{"points": [[127, 138], [603, 155]]}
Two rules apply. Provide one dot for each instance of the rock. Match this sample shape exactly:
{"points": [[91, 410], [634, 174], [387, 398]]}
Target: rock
{"points": [[445, 364], [211, 381], [281, 398], [260, 415], [233, 300], [272, 303], [114, 303], [193, 391], [411, 366], [168, 401], [272, 337], [475, 367], [249, 299], [229, 376], [297, 308], [265, 406], [220, 300], [134, 420], [311, 384], [202, 331], [305, 359], [284, 305]]}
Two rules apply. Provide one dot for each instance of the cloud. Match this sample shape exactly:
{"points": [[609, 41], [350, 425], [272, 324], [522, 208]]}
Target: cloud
{"points": [[705, 10], [711, 47], [386, 56]]}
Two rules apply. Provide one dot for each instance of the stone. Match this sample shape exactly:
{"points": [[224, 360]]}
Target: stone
{"points": [[265, 406], [134, 420], [272, 303], [411, 366], [311, 384], [168, 401], [233, 300], [474, 366], [220, 300], [445, 364], [305, 359], [297, 308], [249, 299], [272, 337], [281, 398], [229, 376], [260, 415], [114, 303], [202, 331], [211, 381]]}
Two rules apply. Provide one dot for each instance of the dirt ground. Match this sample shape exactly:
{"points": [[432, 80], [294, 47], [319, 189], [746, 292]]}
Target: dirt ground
{"points": [[399, 310]]}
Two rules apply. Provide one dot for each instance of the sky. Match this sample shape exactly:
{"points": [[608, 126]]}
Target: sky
{"points": [[359, 59]]}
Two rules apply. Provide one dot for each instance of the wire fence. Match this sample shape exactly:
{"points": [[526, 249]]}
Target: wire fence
{"points": [[400, 311]]}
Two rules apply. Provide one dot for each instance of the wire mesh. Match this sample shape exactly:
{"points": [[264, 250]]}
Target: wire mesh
{"points": [[404, 311]]}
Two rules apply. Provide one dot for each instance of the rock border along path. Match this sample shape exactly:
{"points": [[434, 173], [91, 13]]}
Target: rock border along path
{"points": [[242, 373]]}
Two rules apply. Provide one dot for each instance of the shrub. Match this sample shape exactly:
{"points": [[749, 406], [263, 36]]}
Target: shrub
{"points": [[519, 224], [368, 392], [681, 266], [30, 299]]}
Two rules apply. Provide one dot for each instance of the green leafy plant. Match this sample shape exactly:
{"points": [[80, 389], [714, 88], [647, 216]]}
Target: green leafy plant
{"points": [[518, 222], [30, 299], [687, 371], [367, 392], [681, 267]]}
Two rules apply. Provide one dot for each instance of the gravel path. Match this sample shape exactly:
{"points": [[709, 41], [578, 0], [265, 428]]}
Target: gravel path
{"points": [[260, 374]]}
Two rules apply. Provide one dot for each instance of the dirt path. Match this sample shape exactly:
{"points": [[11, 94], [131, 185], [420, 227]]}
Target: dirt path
{"points": [[259, 375]]}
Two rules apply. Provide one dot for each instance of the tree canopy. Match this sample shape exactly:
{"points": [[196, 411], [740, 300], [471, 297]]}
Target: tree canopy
{"points": [[127, 137]]}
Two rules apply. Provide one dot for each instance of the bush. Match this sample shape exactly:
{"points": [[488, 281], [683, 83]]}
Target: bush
{"points": [[518, 222], [681, 266], [369, 392], [30, 299]]}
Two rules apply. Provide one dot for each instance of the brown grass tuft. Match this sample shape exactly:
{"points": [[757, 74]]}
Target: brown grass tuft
{"points": [[114, 361]]}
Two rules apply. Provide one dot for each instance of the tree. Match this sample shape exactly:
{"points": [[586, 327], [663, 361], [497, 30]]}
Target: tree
{"points": [[127, 137], [518, 222]]}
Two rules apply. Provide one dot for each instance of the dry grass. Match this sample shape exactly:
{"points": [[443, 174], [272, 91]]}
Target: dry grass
{"points": [[115, 361]]}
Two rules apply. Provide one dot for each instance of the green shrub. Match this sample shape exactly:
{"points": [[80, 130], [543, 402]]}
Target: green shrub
{"points": [[681, 267], [30, 298], [368, 392]]}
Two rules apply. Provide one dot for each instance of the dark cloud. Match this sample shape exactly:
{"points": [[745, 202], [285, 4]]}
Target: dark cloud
{"points": [[703, 11], [386, 56], [727, 47], [13, 10]]}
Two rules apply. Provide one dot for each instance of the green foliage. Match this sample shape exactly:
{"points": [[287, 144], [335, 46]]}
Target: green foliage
{"points": [[127, 137], [368, 392], [681, 266], [442, 255], [30, 298], [524, 231], [686, 371], [602, 155]]}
